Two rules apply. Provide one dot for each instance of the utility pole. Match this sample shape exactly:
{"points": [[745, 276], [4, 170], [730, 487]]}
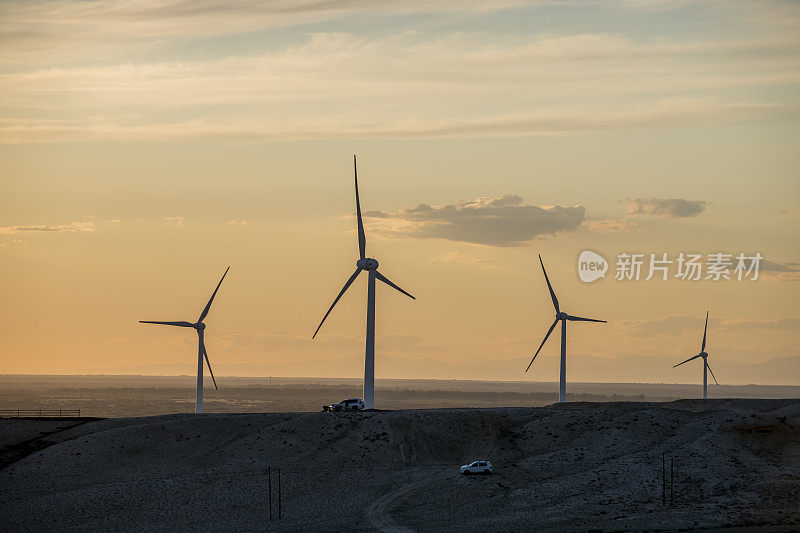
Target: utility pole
{"points": [[279, 494], [269, 483]]}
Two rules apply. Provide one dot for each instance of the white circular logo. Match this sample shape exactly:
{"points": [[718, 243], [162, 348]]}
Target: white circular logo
{"points": [[591, 266]]}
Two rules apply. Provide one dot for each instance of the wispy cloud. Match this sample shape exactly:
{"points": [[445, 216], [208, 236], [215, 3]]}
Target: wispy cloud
{"points": [[461, 257], [668, 207], [173, 221], [75, 226], [59, 29], [68, 76], [611, 225], [678, 325], [504, 221]]}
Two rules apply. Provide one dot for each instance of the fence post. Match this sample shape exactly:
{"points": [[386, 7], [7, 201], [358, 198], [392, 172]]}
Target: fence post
{"points": [[663, 483], [269, 484], [671, 486]]}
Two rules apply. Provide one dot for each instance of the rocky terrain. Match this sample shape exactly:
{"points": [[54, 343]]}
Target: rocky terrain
{"points": [[575, 466]]}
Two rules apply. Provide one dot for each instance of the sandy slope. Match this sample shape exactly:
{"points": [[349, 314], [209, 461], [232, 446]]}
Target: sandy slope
{"points": [[578, 466]]}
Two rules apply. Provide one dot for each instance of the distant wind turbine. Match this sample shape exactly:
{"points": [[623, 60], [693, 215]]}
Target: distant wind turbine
{"points": [[201, 345], [563, 317], [371, 266], [706, 367]]}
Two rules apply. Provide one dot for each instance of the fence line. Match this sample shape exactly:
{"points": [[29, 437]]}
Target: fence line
{"points": [[40, 413]]}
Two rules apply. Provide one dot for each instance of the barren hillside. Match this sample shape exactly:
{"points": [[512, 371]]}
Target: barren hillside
{"points": [[578, 466]]}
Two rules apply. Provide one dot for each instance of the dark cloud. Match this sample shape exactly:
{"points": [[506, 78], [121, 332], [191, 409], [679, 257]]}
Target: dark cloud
{"points": [[780, 271], [668, 207], [504, 221], [769, 266]]}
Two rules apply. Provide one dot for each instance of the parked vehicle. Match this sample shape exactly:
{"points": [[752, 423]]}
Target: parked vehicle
{"points": [[477, 467], [351, 404]]}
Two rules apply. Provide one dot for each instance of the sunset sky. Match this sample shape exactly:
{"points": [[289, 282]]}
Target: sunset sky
{"points": [[146, 146]]}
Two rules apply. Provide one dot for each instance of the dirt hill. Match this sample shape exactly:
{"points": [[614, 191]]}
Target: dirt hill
{"points": [[576, 466]]}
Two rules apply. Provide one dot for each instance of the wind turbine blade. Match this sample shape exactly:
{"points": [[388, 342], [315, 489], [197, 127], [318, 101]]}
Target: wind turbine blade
{"points": [[208, 305], [182, 324], [581, 319], [346, 285], [550, 287], [695, 357], [549, 331], [705, 330], [712, 373], [362, 239], [202, 342], [389, 283]]}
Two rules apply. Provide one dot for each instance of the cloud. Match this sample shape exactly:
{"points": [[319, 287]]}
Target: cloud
{"points": [[50, 27], [610, 225], [238, 223], [779, 271], [779, 324], [75, 226], [173, 221], [460, 257], [668, 207], [670, 325], [770, 266], [285, 341], [503, 221], [298, 126], [67, 76], [677, 325]]}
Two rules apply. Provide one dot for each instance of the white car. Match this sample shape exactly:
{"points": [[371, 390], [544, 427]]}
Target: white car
{"points": [[351, 404], [477, 467]]}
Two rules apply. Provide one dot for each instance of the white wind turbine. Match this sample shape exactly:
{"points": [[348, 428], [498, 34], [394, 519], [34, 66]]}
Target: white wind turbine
{"points": [[563, 317], [201, 345], [371, 266], [706, 367]]}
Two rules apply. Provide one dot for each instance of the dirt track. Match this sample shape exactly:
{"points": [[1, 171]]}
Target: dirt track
{"points": [[576, 466]]}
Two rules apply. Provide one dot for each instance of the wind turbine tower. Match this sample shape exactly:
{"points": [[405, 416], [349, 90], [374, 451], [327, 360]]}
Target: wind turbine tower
{"points": [[371, 266], [563, 318], [706, 367], [199, 327]]}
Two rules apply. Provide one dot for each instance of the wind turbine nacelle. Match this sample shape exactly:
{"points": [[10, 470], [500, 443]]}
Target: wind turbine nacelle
{"points": [[200, 326], [367, 263]]}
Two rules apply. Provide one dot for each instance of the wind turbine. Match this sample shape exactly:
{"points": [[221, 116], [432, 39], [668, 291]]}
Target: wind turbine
{"points": [[371, 266], [563, 317], [201, 345], [706, 367]]}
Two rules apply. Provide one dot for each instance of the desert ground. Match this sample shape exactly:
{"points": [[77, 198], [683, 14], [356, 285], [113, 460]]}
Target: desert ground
{"points": [[575, 466]]}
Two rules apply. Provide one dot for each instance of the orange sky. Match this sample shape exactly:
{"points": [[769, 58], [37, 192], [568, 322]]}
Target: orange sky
{"points": [[143, 149]]}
